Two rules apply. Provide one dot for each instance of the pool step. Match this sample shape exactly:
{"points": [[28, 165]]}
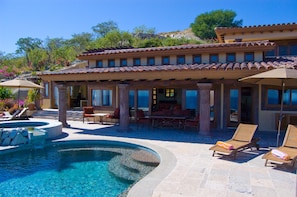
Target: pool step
{"points": [[121, 171], [134, 166], [146, 158]]}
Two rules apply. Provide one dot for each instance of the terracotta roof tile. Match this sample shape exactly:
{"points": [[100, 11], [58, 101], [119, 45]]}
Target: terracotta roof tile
{"points": [[222, 31], [269, 63], [188, 46], [282, 25]]}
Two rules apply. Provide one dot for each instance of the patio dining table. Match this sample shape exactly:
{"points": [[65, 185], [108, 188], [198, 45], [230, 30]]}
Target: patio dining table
{"points": [[100, 115], [168, 121]]}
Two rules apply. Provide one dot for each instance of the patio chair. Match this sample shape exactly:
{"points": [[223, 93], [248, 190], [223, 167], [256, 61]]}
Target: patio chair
{"points": [[241, 140], [88, 113], [114, 116], [288, 149], [141, 118], [192, 123]]}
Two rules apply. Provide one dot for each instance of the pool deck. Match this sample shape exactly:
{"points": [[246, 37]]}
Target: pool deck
{"points": [[187, 167]]}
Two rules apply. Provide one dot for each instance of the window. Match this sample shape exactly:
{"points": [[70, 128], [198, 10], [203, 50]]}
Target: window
{"points": [[234, 96], [99, 64], [213, 58], [230, 57], [165, 60], [181, 59], [111, 63], [196, 59], [270, 53], [283, 50], [102, 97], [136, 61], [150, 61], [143, 100], [45, 90], [293, 49], [249, 57], [124, 62], [131, 99], [169, 92], [294, 97], [191, 99], [154, 93], [274, 97], [56, 96]]}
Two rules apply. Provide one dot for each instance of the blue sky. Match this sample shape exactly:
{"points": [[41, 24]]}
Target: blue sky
{"points": [[62, 18]]}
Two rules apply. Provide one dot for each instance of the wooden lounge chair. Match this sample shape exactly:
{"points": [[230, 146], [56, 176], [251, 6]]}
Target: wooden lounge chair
{"points": [[241, 140], [7, 116], [22, 115], [17, 115], [289, 147]]}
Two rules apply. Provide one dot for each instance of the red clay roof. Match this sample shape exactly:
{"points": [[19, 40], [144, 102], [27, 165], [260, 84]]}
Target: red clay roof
{"points": [[270, 63], [283, 26], [188, 46], [222, 31]]}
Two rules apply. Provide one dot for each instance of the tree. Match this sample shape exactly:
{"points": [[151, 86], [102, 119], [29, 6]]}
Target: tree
{"points": [[51, 45], [38, 59], [144, 30], [80, 41], [101, 29], [25, 45], [113, 39], [204, 24]]}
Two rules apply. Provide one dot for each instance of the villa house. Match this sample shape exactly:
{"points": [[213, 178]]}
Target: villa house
{"points": [[202, 79]]}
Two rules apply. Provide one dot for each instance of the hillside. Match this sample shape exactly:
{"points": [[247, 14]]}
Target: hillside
{"points": [[187, 33]]}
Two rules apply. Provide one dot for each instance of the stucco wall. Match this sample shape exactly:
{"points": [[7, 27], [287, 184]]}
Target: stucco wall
{"points": [[46, 103], [261, 36], [188, 59]]}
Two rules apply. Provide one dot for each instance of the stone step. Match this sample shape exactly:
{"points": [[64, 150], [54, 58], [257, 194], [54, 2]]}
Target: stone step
{"points": [[146, 158], [130, 164], [121, 171]]}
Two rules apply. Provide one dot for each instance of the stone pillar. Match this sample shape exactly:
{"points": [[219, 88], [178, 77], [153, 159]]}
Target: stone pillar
{"points": [[124, 107], [63, 105], [204, 106]]}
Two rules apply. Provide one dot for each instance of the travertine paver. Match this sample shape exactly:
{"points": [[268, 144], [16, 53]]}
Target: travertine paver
{"points": [[196, 172]]}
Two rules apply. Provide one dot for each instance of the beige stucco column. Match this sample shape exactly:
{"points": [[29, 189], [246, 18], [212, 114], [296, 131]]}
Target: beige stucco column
{"points": [[204, 106], [63, 105], [124, 107]]}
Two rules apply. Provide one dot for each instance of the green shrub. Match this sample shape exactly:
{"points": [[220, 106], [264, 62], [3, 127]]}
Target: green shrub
{"points": [[5, 93]]}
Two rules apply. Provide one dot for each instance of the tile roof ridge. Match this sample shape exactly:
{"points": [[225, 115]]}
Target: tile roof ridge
{"points": [[185, 46], [255, 26]]}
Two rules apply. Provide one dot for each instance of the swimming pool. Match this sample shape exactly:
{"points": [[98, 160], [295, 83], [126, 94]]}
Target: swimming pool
{"points": [[80, 168]]}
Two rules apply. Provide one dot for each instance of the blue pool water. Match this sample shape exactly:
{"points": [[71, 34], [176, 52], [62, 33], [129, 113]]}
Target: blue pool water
{"points": [[59, 171], [15, 124]]}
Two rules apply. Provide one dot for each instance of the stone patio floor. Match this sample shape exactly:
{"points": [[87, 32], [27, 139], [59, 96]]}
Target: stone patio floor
{"points": [[187, 167]]}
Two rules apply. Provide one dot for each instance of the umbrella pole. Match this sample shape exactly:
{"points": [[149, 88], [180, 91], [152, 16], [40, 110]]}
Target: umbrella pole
{"points": [[281, 114], [19, 98]]}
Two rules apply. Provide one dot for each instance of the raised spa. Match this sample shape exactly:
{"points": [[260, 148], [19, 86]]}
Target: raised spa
{"points": [[53, 127]]}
